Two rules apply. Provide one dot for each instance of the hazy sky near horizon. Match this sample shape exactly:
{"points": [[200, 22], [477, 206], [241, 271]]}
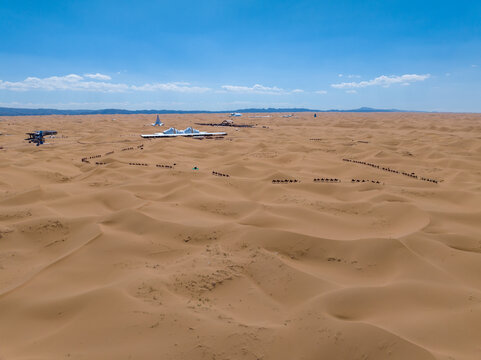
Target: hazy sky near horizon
{"points": [[229, 54]]}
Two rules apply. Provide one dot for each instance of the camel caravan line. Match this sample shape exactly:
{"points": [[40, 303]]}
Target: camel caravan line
{"points": [[87, 158], [274, 181], [142, 164], [285, 181], [326, 180], [411, 175], [364, 181], [138, 164]]}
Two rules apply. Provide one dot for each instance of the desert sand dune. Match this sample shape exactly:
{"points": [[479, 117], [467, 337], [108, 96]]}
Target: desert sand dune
{"points": [[118, 247]]}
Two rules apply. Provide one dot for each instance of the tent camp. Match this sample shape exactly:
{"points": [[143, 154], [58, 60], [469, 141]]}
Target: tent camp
{"points": [[173, 132]]}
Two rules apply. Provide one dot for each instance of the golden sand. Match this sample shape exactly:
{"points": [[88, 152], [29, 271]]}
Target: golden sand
{"points": [[122, 261]]}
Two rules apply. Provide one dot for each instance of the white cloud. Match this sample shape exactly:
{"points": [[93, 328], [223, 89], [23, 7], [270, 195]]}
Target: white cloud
{"points": [[175, 86], [351, 92], [256, 89], [75, 82], [383, 80], [322, 92], [98, 76], [67, 82], [100, 83], [259, 89], [474, 66], [350, 76]]}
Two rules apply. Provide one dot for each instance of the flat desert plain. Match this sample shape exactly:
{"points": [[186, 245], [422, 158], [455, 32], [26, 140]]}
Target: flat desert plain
{"points": [[122, 261]]}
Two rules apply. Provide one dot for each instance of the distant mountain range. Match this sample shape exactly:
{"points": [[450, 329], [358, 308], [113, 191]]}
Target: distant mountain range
{"points": [[25, 112]]}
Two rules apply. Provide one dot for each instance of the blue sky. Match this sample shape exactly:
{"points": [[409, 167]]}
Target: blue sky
{"points": [[215, 55]]}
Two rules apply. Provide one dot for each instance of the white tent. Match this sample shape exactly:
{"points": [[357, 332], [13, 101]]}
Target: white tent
{"points": [[158, 122]]}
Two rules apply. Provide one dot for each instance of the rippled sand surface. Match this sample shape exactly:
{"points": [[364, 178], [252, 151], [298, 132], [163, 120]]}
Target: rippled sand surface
{"points": [[121, 261]]}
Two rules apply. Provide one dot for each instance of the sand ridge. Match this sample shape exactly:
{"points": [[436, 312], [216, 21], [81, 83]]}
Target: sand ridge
{"points": [[345, 236]]}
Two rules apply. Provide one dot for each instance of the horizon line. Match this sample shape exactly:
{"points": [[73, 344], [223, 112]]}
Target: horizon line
{"points": [[11, 111]]}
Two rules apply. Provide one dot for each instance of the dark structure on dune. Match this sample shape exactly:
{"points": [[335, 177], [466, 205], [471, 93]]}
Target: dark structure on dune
{"points": [[226, 123]]}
